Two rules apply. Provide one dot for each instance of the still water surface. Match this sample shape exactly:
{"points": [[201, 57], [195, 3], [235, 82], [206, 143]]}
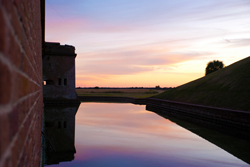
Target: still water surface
{"points": [[126, 135]]}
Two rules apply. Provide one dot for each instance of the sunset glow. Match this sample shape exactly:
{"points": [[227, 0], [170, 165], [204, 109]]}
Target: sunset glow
{"points": [[120, 134], [144, 43]]}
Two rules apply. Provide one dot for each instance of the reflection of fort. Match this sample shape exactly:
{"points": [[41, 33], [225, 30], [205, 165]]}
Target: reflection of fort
{"points": [[58, 93], [59, 133]]}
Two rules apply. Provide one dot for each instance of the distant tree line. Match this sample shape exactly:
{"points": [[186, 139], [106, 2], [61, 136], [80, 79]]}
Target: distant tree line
{"points": [[96, 87], [213, 66]]}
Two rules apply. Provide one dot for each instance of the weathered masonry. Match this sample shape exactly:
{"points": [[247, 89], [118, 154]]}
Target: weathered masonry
{"points": [[58, 72], [21, 98], [23, 51]]}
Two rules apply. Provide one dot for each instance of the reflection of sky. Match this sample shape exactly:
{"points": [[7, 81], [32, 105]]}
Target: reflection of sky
{"points": [[126, 135], [148, 43]]}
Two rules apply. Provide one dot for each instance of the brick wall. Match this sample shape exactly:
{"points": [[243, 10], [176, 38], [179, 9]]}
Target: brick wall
{"points": [[21, 101]]}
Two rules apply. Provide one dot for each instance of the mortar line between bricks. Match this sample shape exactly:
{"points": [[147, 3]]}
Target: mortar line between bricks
{"points": [[7, 108], [21, 153], [26, 76], [17, 40], [34, 69], [32, 64], [11, 65], [16, 10], [14, 68], [15, 138]]}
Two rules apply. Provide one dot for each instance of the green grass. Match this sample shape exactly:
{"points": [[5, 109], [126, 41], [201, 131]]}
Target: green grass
{"points": [[135, 93], [227, 88]]}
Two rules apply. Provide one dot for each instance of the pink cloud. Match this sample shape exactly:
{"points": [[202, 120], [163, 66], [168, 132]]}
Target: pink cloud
{"points": [[58, 29], [132, 61]]}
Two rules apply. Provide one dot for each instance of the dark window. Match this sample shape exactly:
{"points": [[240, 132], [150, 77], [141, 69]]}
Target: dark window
{"points": [[59, 125], [59, 81], [48, 82], [65, 81], [49, 124], [65, 124]]}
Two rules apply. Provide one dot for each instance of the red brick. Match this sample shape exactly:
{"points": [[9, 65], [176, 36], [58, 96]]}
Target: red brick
{"points": [[26, 67], [3, 32], [24, 86], [22, 161], [14, 52], [23, 110], [24, 17], [7, 162], [19, 5], [4, 131], [21, 142], [22, 137], [28, 52], [5, 86], [7, 5], [26, 27], [15, 157], [17, 24], [13, 122]]}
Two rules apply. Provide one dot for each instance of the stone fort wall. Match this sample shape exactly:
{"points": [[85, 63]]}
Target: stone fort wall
{"points": [[58, 71], [232, 122], [21, 99]]}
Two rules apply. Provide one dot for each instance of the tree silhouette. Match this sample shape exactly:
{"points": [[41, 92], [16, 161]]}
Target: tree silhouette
{"points": [[157, 87], [213, 66]]}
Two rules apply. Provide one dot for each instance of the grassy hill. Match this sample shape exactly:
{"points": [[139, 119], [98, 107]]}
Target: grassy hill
{"points": [[226, 88]]}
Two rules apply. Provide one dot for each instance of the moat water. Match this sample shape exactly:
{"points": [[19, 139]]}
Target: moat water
{"points": [[126, 135]]}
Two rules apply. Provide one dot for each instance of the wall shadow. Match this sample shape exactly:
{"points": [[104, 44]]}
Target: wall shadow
{"points": [[234, 144], [59, 133]]}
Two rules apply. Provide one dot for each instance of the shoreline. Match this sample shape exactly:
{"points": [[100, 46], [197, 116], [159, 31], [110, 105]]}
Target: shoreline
{"points": [[232, 122], [139, 101]]}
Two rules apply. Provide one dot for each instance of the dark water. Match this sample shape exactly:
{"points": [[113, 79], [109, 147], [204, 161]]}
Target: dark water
{"points": [[126, 135]]}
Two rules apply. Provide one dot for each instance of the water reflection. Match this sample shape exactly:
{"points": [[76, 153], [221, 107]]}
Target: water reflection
{"points": [[127, 135], [59, 133], [235, 145]]}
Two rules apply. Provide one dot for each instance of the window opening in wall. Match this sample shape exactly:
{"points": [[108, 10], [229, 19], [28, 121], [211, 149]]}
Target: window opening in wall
{"points": [[48, 82], [59, 125], [59, 81], [65, 124], [49, 124], [65, 81]]}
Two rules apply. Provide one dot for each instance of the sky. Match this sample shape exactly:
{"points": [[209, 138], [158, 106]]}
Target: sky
{"points": [[144, 43]]}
